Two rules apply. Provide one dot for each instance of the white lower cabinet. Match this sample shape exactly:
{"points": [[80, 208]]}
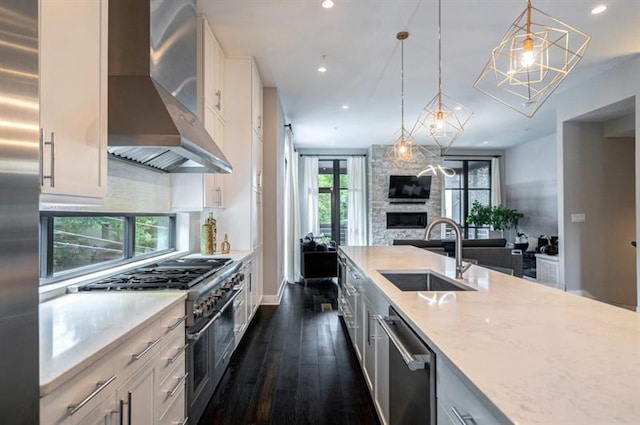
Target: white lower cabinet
{"points": [[455, 399], [361, 304], [136, 398], [140, 382], [104, 414], [381, 396]]}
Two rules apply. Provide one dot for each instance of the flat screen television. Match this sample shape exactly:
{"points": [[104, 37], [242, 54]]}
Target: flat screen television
{"points": [[409, 188]]}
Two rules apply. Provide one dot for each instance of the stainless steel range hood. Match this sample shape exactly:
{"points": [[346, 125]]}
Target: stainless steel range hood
{"points": [[153, 88]]}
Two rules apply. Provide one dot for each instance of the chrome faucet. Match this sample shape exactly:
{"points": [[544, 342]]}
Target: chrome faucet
{"points": [[456, 229]]}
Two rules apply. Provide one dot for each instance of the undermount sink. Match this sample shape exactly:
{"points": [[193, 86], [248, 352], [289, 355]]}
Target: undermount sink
{"points": [[422, 281]]}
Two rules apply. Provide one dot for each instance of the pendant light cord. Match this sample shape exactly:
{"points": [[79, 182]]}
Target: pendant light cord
{"points": [[402, 88], [440, 54]]}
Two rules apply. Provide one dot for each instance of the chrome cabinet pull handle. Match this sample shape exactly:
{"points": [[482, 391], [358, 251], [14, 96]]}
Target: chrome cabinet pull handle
{"points": [[53, 159], [146, 350], [73, 408], [41, 156], [412, 363], [175, 325], [218, 196], [463, 419], [175, 356], [180, 383], [52, 162], [183, 422], [219, 96]]}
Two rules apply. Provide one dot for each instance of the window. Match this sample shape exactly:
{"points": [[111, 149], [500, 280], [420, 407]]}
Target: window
{"points": [[472, 182], [77, 243], [332, 198]]}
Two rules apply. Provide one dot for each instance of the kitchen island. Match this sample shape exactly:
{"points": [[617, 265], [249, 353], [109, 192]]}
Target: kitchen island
{"points": [[531, 354]]}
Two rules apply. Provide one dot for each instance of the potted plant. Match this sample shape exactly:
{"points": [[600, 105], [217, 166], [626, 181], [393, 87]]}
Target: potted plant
{"points": [[499, 217], [480, 215]]}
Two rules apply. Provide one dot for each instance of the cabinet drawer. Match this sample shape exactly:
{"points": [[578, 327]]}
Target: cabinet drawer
{"points": [[141, 348], [174, 320], [175, 414], [172, 387], [54, 407], [172, 353], [455, 396]]}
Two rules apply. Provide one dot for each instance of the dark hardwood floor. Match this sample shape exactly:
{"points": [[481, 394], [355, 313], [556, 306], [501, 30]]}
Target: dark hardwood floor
{"points": [[295, 365]]}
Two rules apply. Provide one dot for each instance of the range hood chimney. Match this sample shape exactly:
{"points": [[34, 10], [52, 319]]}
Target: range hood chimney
{"points": [[153, 88]]}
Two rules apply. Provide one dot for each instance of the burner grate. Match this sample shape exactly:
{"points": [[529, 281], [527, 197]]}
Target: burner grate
{"points": [[181, 273]]}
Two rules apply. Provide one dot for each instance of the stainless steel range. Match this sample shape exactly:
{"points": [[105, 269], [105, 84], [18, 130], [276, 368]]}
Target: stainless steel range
{"points": [[212, 285]]}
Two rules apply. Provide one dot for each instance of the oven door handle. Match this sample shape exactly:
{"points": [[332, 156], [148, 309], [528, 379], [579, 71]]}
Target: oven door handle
{"points": [[196, 335]]}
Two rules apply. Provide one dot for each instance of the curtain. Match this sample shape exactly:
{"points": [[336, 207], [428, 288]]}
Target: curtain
{"points": [[310, 195], [496, 197], [356, 201], [291, 212]]}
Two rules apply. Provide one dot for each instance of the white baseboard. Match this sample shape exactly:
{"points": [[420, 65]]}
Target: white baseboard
{"points": [[274, 299], [582, 293], [586, 294]]}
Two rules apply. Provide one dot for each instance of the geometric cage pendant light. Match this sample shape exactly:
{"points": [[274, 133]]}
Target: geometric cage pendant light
{"points": [[535, 55], [405, 150], [443, 119]]}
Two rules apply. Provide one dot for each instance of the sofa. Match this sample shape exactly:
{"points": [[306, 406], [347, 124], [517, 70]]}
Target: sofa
{"points": [[318, 260], [490, 253]]}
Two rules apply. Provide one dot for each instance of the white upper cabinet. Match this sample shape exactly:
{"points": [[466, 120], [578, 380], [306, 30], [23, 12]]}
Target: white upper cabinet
{"points": [[73, 100], [256, 101], [242, 219], [211, 87], [198, 192]]}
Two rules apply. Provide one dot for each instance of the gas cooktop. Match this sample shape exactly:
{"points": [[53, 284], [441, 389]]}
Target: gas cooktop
{"points": [[181, 273]]}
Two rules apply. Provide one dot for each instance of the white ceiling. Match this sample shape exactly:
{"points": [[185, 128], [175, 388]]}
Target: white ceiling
{"points": [[358, 37]]}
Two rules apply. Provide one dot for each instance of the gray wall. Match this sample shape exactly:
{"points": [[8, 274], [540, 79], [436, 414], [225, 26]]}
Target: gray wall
{"points": [[531, 185], [273, 195], [379, 170], [599, 181], [613, 86]]}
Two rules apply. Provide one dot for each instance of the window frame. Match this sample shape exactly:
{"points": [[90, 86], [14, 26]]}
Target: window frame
{"points": [[46, 243], [336, 191], [465, 190]]}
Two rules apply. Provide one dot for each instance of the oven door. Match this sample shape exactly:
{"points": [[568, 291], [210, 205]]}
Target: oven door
{"points": [[200, 352], [224, 340]]}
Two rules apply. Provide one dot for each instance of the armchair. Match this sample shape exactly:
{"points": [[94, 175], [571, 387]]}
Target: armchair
{"points": [[317, 260]]}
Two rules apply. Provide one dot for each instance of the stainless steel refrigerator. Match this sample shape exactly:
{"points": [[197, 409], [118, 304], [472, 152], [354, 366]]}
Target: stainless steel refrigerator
{"points": [[19, 171]]}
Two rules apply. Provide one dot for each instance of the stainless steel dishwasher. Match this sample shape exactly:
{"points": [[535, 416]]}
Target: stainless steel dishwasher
{"points": [[412, 374]]}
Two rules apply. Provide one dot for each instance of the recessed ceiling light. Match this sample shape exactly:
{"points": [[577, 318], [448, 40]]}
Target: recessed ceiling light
{"points": [[322, 68], [345, 106], [457, 108], [486, 142], [327, 4], [598, 9]]}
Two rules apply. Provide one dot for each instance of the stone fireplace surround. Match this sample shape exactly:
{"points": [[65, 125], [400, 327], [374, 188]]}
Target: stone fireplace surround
{"points": [[379, 170]]}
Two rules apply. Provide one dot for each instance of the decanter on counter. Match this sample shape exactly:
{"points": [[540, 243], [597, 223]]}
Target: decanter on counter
{"points": [[208, 236]]}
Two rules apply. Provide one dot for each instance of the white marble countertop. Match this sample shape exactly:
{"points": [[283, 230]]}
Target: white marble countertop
{"points": [[77, 329], [540, 355]]}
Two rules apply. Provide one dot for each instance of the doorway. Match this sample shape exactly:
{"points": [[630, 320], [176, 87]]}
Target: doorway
{"points": [[599, 204]]}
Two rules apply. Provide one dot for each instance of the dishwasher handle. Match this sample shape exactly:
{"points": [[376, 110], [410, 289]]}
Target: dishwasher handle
{"points": [[413, 362]]}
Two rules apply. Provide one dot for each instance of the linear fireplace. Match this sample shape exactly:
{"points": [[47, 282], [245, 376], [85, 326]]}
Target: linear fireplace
{"points": [[406, 220]]}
